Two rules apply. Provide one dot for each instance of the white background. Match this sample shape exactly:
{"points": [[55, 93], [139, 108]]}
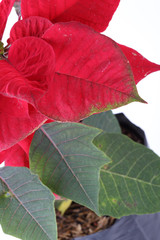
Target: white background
{"points": [[136, 24]]}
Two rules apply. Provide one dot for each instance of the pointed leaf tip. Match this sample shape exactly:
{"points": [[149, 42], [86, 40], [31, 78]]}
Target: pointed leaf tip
{"points": [[130, 183], [92, 74], [68, 162], [140, 66]]}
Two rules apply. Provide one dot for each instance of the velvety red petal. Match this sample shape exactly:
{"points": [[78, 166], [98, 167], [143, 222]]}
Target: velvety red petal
{"points": [[32, 26], [35, 60], [17, 120], [141, 67], [15, 157], [95, 13], [5, 8], [18, 155], [31, 69], [25, 143], [92, 74], [48, 9]]}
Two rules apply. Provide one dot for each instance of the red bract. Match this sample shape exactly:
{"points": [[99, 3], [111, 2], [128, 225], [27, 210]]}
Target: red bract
{"points": [[18, 155], [18, 119], [92, 74], [5, 8], [24, 78], [95, 13], [141, 67], [36, 63], [33, 26]]}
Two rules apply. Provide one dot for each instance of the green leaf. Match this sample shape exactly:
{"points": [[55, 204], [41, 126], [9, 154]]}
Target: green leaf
{"points": [[105, 121], [26, 205], [131, 183], [1, 46], [1, 49], [67, 161]]}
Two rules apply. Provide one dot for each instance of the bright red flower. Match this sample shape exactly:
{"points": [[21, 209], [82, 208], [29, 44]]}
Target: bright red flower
{"points": [[24, 77], [141, 67], [32, 26], [94, 13], [18, 155], [91, 72], [18, 119]]}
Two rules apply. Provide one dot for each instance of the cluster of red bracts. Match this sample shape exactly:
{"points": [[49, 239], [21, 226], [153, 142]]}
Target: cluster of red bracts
{"points": [[60, 68]]}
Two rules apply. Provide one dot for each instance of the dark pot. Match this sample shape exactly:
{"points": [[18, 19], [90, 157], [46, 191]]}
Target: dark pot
{"points": [[134, 227], [130, 129]]}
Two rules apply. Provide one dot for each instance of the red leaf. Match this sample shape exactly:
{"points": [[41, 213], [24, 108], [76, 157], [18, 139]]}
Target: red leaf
{"points": [[95, 13], [17, 120], [33, 59], [32, 26], [141, 67], [92, 74], [18, 155], [47, 9], [34, 62], [14, 157], [5, 8]]}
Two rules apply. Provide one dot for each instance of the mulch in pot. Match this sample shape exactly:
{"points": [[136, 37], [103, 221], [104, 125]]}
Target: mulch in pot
{"points": [[80, 221]]}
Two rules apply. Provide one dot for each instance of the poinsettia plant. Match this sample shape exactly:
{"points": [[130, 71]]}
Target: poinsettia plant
{"points": [[59, 78]]}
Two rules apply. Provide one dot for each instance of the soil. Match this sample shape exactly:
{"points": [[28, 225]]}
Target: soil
{"points": [[81, 221]]}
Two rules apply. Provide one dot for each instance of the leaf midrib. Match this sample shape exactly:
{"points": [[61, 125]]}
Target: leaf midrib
{"points": [[100, 84], [131, 178], [61, 154], [21, 203]]}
